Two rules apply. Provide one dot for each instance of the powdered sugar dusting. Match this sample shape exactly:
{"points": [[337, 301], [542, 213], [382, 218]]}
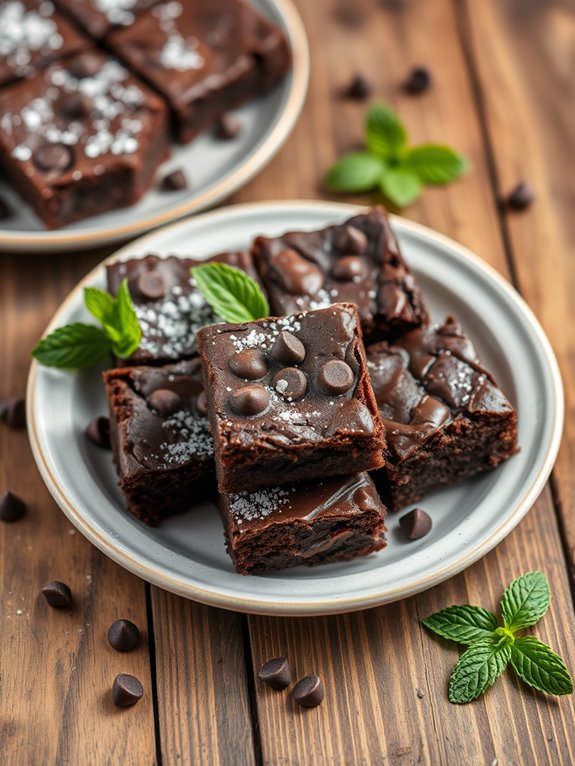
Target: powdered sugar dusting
{"points": [[194, 438], [249, 506], [24, 31], [178, 52]]}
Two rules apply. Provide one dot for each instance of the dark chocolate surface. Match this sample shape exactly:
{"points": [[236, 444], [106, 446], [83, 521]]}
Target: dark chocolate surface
{"points": [[358, 261], [98, 17]]}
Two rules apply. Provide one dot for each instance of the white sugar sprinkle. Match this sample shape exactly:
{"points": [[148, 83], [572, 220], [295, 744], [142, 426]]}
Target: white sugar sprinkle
{"points": [[248, 506]]}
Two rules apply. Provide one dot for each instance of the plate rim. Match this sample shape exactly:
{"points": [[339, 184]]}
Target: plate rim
{"points": [[241, 603], [47, 241]]}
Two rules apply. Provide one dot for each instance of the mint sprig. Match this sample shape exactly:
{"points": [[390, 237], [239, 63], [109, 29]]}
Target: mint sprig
{"points": [[78, 346], [492, 647], [390, 164], [233, 295]]}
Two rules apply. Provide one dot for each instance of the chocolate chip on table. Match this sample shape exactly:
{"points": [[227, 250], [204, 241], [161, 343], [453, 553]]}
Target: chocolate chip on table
{"points": [[249, 363], [98, 431], [151, 285], [13, 413], [521, 197], [359, 88], [351, 240], [250, 400], [288, 349], [291, 383], [57, 594], [418, 81], [227, 127], [5, 211], [420, 694], [335, 377], [124, 636], [415, 524], [52, 157], [175, 181], [86, 64], [12, 508], [309, 691], [126, 690], [276, 673], [165, 402]]}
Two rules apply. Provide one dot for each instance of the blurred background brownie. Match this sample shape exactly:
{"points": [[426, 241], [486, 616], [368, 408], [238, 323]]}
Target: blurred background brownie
{"points": [[99, 17]]}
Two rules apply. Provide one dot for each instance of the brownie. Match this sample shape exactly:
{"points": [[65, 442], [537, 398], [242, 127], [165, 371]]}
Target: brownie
{"points": [[99, 17], [169, 306], [161, 442], [82, 137], [445, 417], [33, 33], [290, 398], [358, 261], [319, 522], [204, 57]]}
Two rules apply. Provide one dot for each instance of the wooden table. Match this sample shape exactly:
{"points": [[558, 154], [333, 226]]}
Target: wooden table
{"points": [[503, 94]]}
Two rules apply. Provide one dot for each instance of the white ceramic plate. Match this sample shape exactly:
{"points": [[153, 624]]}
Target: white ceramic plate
{"points": [[214, 168], [186, 554]]}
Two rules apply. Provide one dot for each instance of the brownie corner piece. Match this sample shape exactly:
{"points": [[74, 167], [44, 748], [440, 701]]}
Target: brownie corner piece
{"points": [[329, 520], [290, 398], [162, 448], [445, 417], [357, 261]]}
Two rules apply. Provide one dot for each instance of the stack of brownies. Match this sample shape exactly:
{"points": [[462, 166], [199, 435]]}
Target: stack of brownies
{"points": [[282, 418], [91, 90]]}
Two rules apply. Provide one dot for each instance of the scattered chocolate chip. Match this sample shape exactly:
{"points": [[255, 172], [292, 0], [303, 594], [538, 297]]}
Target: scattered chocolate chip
{"points": [[249, 363], [415, 524], [349, 267], [53, 157], [12, 508], [276, 673], [288, 349], [521, 197], [227, 128], [175, 181], [250, 400], [151, 285], [359, 88], [85, 65], [98, 432], [126, 690], [13, 412], [291, 383], [335, 377], [299, 276], [420, 694], [165, 402], [77, 105], [351, 240], [124, 636], [418, 81], [309, 691], [58, 594], [202, 404], [5, 211]]}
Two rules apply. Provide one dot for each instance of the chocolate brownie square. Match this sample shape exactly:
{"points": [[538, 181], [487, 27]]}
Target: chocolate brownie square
{"points": [[335, 519], [99, 17], [204, 57], [161, 442], [290, 399], [33, 33], [358, 261], [169, 306], [82, 137], [445, 417]]}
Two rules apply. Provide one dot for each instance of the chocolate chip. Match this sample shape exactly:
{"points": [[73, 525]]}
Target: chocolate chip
{"points": [[418, 81], [521, 197], [53, 157], [299, 276], [349, 267], [288, 349], [58, 594], [202, 404], [151, 285], [291, 383], [335, 377], [77, 105], [12, 508], [309, 691], [420, 694], [250, 400], [126, 690], [98, 432], [249, 363], [13, 412], [351, 240], [5, 211], [276, 673], [124, 636], [85, 64], [165, 402], [175, 181], [415, 524], [227, 127], [359, 88]]}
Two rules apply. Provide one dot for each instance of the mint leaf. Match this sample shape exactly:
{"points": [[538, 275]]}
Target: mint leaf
{"points": [[464, 624], [525, 601], [385, 134], [400, 186], [74, 347], [477, 669], [232, 294], [537, 665], [356, 172], [123, 327], [435, 164], [99, 303]]}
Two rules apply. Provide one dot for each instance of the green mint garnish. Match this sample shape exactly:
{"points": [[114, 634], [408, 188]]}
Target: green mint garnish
{"points": [[492, 647], [78, 346], [233, 295], [389, 164]]}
